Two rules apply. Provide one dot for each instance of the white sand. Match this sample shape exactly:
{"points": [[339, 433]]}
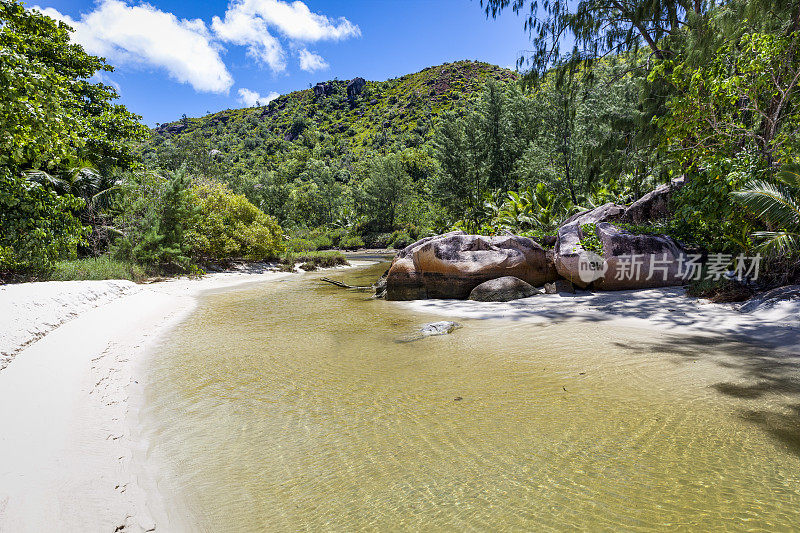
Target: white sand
{"points": [[776, 326], [65, 400], [69, 398]]}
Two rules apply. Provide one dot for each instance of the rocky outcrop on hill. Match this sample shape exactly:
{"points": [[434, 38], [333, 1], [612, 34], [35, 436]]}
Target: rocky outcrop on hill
{"points": [[323, 89], [450, 266], [355, 87]]}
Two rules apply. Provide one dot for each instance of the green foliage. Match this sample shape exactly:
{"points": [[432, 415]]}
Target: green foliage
{"points": [[739, 100], [590, 240], [300, 245], [154, 214], [777, 204], [719, 291], [103, 267], [228, 226], [352, 243], [382, 192], [313, 260], [51, 118], [37, 226]]}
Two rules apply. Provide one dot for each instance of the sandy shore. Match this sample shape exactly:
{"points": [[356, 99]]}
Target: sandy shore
{"points": [[72, 351], [70, 391], [772, 324]]}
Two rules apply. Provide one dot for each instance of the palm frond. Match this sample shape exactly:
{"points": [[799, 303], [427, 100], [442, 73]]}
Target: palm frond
{"points": [[778, 241], [770, 202]]}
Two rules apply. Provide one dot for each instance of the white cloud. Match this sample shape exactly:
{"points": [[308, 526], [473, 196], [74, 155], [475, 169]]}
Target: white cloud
{"points": [[310, 62], [248, 23], [251, 98], [145, 35]]}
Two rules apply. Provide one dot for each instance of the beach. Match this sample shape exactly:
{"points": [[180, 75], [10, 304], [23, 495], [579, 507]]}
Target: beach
{"points": [[70, 455]]}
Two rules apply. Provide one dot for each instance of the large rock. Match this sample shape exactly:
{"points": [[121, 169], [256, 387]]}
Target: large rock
{"points": [[502, 289], [627, 261], [639, 261], [323, 89], [570, 257], [654, 205], [604, 213], [451, 265], [355, 87]]}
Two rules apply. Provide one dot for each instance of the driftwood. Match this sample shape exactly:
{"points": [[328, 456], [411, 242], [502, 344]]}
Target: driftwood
{"points": [[344, 285]]}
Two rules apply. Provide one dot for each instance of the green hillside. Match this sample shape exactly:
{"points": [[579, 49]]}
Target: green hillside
{"points": [[381, 114]]}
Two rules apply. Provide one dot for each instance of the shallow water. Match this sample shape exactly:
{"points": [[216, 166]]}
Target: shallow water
{"points": [[292, 405]]}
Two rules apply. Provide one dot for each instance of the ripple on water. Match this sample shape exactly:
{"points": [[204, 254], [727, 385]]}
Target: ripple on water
{"points": [[290, 406]]}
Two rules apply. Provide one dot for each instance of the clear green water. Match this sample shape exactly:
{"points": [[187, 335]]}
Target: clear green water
{"points": [[291, 406]]}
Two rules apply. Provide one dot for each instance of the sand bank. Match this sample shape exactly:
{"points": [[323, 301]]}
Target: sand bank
{"points": [[73, 350]]}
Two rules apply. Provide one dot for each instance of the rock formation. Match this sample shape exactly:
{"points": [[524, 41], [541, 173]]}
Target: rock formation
{"points": [[654, 205], [355, 87], [451, 265]]}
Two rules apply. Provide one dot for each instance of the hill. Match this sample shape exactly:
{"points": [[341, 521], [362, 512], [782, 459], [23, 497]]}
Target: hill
{"points": [[375, 115]]}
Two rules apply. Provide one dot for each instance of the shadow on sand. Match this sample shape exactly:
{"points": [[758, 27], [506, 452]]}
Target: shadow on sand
{"points": [[756, 350]]}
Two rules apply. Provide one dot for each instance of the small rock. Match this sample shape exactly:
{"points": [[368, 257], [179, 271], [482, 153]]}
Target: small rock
{"points": [[439, 328], [559, 286], [502, 289]]}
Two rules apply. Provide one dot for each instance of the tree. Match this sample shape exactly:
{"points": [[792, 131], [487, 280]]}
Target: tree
{"points": [[52, 119], [154, 213], [598, 27], [462, 184], [383, 192], [776, 204]]}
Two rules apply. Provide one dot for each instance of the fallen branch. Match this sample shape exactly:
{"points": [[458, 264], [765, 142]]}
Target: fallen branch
{"points": [[344, 285]]}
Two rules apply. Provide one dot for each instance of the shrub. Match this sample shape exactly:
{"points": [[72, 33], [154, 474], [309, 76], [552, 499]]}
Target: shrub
{"points": [[314, 260], [337, 235], [352, 243], [719, 291], [589, 239], [400, 239], [103, 267], [300, 245], [322, 242], [228, 226]]}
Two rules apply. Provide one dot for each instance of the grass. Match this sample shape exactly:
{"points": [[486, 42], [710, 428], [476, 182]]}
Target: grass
{"points": [[96, 268], [314, 260]]}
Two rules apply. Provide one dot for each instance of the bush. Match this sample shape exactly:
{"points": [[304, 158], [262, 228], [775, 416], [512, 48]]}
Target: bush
{"points": [[103, 267], [337, 235], [719, 291], [352, 243], [381, 240], [300, 245], [314, 260], [400, 239], [36, 225], [322, 242], [228, 226]]}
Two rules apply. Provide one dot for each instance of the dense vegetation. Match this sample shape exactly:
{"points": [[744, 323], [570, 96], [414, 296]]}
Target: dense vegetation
{"points": [[649, 92]]}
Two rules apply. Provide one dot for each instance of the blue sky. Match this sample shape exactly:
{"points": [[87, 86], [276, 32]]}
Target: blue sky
{"points": [[174, 57]]}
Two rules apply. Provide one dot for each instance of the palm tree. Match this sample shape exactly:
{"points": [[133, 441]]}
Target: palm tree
{"points": [[777, 205]]}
